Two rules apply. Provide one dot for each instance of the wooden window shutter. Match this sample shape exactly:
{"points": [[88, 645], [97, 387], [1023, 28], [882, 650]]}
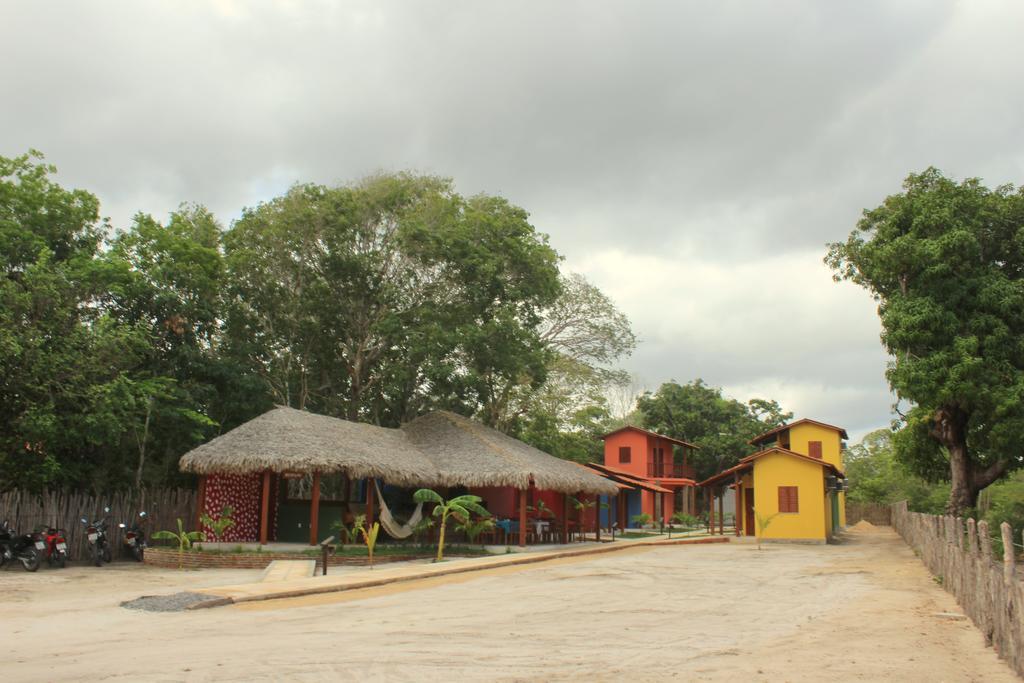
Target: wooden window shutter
{"points": [[814, 449], [625, 454], [789, 500]]}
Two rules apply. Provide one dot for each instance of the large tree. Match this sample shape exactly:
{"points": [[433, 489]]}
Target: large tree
{"points": [[701, 414], [945, 262], [377, 300]]}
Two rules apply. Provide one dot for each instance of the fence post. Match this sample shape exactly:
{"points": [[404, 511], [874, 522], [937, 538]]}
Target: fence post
{"points": [[1009, 561], [972, 537], [986, 543], [958, 529]]}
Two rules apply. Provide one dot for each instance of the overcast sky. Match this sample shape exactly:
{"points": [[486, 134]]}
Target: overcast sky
{"points": [[690, 158]]}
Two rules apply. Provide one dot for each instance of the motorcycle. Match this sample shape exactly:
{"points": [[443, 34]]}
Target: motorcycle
{"points": [[56, 550], [96, 534], [135, 537], [25, 547]]}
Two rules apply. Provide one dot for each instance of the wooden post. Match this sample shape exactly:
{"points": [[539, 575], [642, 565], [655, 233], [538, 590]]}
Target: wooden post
{"points": [[613, 510], [201, 502], [986, 543], [370, 490], [265, 508], [522, 518], [1009, 561], [736, 519], [711, 510], [314, 510], [565, 518], [622, 513], [597, 518], [972, 537], [721, 513]]}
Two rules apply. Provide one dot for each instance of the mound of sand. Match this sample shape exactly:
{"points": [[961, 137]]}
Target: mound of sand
{"points": [[864, 525]]}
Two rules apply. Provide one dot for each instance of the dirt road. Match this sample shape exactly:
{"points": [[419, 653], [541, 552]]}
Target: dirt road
{"points": [[865, 610]]}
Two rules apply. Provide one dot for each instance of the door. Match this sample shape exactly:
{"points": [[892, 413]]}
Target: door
{"points": [[748, 514]]}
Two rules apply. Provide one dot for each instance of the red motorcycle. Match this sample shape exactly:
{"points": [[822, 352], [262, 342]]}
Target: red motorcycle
{"points": [[56, 550]]}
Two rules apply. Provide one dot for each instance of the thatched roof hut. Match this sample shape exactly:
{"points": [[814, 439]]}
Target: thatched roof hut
{"points": [[440, 449], [467, 453]]}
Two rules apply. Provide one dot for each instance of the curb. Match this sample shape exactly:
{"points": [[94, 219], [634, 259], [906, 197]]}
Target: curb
{"points": [[519, 560]]}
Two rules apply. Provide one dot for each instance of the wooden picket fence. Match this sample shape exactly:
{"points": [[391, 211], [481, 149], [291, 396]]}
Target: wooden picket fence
{"points": [[960, 556], [27, 511], [876, 513]]}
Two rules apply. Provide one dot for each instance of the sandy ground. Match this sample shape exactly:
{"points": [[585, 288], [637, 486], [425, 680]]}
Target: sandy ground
{"points": [[864, 610]]}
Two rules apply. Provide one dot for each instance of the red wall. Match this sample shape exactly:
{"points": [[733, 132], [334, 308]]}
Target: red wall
{"points": [[243, 493], [637, 441]]}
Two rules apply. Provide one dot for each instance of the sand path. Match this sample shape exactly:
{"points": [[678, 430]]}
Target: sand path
{"points": [[865, 610]]}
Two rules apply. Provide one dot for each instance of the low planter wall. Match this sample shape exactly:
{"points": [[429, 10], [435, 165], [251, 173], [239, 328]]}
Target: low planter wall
{"points": [[168, 557]]}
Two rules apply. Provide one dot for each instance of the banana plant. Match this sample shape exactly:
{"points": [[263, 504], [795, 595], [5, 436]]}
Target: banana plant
{"points": [[473, 528], [222, 523], [369, 535], [184, 538], [462, 507]]}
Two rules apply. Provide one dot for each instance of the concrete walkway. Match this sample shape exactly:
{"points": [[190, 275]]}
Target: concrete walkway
{"points": [[297, 587]]}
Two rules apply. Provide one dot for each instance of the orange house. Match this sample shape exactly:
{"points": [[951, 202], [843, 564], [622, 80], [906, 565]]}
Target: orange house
{"points": [[659, 460]]}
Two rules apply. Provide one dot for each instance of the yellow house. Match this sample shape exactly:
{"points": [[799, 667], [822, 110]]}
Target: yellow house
{"points": [[794, 480]]}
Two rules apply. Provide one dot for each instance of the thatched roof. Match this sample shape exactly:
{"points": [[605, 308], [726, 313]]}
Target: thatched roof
{"points": [[467, 453], [288, 440], [440, 449]]}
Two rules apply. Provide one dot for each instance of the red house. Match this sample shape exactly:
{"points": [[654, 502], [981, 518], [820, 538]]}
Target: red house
{"points": [[658, 460]]}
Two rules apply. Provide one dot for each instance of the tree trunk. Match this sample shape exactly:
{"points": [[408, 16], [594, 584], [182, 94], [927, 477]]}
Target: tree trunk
{"points": [[967, 477]]}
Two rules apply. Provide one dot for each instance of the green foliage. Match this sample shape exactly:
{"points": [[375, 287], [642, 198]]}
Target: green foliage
{"points": [[641, 520], [184, 539], [369, 535], [945, 261], [462, 507], [540, 510], [699, 413], [474, 527], [222, 523], [876, 475], [376, 301], [685, 520]]}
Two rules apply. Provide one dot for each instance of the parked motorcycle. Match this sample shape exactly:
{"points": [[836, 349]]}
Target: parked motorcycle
{"points": [[56, 550], [135, 537], [96, 534], [26, 548]]}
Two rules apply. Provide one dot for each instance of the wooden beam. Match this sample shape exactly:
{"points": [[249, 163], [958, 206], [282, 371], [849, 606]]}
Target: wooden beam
{"points": [[739, 502], [711, 510], [200, 502], [522, 518], [370, 489], [597, 518], [565, 518], [314, 510], [265, 509], [721, 513]]}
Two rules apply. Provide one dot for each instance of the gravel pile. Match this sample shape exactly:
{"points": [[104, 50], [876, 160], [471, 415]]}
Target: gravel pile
{"points": [[166, 603]]}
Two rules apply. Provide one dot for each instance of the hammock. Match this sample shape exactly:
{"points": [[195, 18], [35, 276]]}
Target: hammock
{"points": [[391, 525]]}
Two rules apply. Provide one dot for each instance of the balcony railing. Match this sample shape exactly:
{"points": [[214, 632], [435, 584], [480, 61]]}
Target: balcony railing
{"points": [[663, 470]]}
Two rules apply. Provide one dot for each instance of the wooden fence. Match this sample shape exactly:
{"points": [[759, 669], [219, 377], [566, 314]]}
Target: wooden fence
{"points": [[26, 511], [988, 591], [876, 513]]}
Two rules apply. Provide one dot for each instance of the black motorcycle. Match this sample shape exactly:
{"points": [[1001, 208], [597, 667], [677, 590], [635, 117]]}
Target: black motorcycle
{"points": [[134, 537], [96, 535], [26, 548]]}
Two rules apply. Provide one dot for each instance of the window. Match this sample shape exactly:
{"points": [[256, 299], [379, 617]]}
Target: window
{"points": [[814, 449], [789, 500], [625, 454]]}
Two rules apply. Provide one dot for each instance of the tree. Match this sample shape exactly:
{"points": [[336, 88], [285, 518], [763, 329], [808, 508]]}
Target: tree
{"points": [[378, 300], [876, 475], [462, 507], [945, 261], [700, 414]]}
